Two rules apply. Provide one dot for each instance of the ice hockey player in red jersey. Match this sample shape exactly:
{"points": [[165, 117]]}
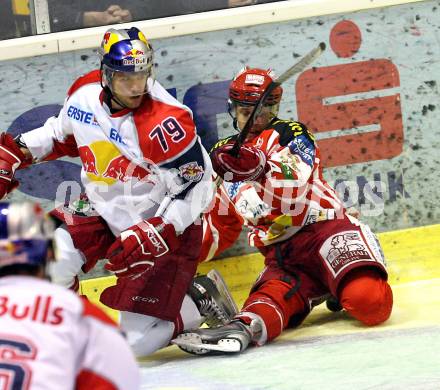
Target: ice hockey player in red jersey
{"points": [[147, 178], [50, 338], [312, 246]]}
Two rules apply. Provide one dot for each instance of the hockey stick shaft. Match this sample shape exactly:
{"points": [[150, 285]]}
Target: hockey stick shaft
{"points": [[293, 70]]}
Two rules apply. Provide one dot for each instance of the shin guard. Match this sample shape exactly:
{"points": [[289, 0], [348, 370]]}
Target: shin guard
{"points": [[270, 304]]}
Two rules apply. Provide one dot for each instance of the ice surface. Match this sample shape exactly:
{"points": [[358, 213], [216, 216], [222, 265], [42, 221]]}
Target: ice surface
{"points": [[329, 351]]}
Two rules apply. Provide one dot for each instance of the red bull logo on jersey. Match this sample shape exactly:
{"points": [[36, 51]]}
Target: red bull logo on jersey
{"points": [[191, 171], [103, 163]]}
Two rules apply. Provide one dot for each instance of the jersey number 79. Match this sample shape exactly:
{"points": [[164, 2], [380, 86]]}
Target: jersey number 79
{"points": [[168, 130]]}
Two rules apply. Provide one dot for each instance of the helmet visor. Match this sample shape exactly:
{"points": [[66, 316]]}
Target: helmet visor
{"points": [[242, 112], [128, 84]]}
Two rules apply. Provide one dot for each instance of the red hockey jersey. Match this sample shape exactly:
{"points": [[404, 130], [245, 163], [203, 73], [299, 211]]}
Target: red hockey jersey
{"points": [[292, 194]]}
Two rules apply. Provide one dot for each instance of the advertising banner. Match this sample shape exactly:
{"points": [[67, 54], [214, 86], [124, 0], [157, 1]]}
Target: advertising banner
{"points": [[372, 100]]}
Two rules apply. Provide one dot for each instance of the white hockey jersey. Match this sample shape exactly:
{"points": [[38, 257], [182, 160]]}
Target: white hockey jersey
{"points": [[50, 339], [135, 163]]}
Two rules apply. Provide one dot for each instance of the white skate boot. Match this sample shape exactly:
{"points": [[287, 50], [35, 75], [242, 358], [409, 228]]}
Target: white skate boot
{"points": [[231, 338]]}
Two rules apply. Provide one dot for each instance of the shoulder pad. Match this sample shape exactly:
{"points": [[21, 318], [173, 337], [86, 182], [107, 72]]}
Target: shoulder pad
{"points": [[89, 78], [224, 141], [289, 130], [165, 132]]}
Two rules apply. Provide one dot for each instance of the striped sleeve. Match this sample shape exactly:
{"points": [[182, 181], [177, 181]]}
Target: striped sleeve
{"points": [[222, 226]]}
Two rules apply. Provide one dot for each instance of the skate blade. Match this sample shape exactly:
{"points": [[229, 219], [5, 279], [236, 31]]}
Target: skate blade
{"points": [[192, 343], [223, 288]]}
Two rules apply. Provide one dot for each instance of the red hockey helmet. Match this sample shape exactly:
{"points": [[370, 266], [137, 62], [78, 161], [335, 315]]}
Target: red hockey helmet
{"points": [[248, 86], [245, 91]]}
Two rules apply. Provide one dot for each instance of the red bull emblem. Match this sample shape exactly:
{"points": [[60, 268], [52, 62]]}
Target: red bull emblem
{"points": [[191, 171], [88, 160], [122, 169], [103, 163], [134, 53], [7, 247], [106, 37]]}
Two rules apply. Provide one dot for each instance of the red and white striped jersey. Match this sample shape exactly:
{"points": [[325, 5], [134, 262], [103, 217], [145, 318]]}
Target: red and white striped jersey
{"points": [[50, 339], [292, 194]]}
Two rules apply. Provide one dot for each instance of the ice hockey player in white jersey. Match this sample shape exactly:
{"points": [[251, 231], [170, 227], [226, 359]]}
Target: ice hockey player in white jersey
{"points": [[50, 338], [147, 179]]}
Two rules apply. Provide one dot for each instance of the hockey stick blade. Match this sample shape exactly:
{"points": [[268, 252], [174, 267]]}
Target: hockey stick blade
{"points": [[303, 63]]}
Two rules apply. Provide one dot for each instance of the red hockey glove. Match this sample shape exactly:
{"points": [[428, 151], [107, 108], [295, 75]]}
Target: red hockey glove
{"points": [[11, 157], [137, 248], [249, 165]]}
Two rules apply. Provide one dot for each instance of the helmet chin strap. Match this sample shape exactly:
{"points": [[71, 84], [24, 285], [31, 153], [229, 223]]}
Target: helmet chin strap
{"points": [[235, 124], [115, 99], [234, 119], [109, 96]]}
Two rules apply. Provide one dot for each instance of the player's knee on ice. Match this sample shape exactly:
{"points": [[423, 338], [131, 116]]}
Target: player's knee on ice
{"points": [[366, 296]]}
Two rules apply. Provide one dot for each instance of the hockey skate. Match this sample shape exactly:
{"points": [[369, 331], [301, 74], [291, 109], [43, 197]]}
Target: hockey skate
{"points": [[231, 338], [213, 299]]}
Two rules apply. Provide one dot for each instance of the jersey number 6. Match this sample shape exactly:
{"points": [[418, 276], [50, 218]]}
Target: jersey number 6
{"points": [[14, 351]]}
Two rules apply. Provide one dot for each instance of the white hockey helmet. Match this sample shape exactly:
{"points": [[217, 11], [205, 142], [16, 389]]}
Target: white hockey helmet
{"points": [[26, 234]]}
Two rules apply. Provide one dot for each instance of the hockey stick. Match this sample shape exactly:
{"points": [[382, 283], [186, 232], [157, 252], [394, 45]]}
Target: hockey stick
{"points": [[294, 69]]}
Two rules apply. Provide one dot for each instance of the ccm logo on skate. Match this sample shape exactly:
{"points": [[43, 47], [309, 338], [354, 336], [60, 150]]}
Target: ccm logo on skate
{"points": [[41, 310], [138, 298]]}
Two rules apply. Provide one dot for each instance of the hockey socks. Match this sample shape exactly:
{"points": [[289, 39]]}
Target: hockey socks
{"points": [[270, 304]]}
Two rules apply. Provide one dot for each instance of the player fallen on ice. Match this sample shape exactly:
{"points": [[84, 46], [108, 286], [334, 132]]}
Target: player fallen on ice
{"points": [[147, 179], [312, 247], [51, 338]]}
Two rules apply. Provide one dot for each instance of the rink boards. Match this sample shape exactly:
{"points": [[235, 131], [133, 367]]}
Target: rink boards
{"points": [[412, 255]]}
